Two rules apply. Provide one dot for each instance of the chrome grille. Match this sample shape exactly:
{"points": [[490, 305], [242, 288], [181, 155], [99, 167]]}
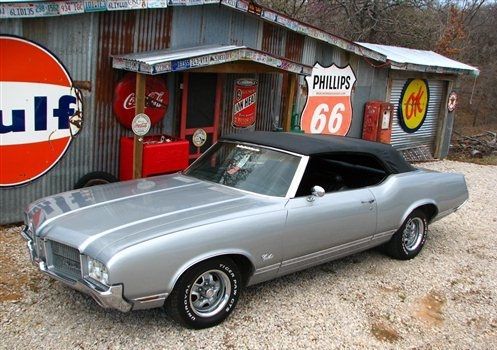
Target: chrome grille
{"points": [[65, 259]]}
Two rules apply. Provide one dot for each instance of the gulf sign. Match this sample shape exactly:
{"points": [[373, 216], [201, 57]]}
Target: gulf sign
{"points": [[328, 109], [39, 111], [413, 105]]}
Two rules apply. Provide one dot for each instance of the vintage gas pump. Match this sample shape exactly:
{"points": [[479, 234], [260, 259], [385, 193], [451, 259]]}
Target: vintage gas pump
{"points": [[377, 125]]}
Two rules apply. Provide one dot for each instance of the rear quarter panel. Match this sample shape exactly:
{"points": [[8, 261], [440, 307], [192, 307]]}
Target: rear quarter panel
{"points": [[400, 194]]}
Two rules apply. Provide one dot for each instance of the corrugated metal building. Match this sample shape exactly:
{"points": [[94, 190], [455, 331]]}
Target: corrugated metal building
{"points": [[87, 40]]}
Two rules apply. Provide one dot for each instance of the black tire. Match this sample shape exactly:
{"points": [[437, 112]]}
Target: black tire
{"points": [[180, 304], [95, 178], [398, 247]]}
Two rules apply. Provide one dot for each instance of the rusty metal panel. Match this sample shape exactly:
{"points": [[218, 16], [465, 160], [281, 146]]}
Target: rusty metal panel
{"points": [[122, 32], [294, 46], [269, 101], [271, 85], [71, 40], [273, 39]]}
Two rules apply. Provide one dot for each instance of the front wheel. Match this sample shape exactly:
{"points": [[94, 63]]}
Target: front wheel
{"points": [[205, 294], [408, 241]]}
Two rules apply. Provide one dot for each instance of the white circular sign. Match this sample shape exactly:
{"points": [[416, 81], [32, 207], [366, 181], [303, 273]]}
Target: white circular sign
{"points": [[141, 124], [452, 101], [199, 137]]}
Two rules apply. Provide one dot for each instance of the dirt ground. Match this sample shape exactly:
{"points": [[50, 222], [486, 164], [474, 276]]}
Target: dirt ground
{"points": [[446, 298]]}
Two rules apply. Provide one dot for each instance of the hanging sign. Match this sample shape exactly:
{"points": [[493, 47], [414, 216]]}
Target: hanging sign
{"points": [[156, 99], [413, 105], [328, 109], [245, 103], [452, 102], [40, 110], [141, 124]]}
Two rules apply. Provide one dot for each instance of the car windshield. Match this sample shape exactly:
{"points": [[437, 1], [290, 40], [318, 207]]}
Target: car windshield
{"points": [[247, 167]]}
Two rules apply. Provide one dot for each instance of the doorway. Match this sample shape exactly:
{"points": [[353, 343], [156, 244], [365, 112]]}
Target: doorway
{"points": [[200, 110]]}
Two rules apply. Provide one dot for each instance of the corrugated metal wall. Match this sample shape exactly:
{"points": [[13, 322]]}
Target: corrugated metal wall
{"points": [[71, 39], [426, 135], [371, 84], [122, 32], [267, 108], [85, 42], [213, 25]]}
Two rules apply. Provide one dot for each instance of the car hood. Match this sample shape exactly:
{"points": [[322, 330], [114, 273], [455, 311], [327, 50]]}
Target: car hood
{"points": [[122, 214]]}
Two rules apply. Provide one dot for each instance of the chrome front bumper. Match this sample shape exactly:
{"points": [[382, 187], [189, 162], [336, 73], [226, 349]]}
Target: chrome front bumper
{"points": [[111, 298]]}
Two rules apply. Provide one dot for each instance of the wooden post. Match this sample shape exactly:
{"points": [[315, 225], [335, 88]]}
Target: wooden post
{"points": [[139, 108], [291, 92], [217, 107]]}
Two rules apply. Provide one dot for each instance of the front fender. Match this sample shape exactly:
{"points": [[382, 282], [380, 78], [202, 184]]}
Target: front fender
{"points": [[206, 256], [153, 267]]}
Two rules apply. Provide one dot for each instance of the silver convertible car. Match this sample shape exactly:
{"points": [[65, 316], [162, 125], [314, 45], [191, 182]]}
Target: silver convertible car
{"points": [[254, 207]]}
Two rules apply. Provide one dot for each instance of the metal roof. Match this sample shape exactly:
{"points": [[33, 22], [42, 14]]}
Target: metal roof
{"points": [[173, 60], [44, 8], [402, 58]]}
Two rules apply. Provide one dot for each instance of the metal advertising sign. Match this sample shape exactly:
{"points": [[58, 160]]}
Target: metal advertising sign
{"points": [[245, 103], [199, 137], [141, 124], [156, 100], [413, 105], [452, 102], [40, 110], [328, 109]]}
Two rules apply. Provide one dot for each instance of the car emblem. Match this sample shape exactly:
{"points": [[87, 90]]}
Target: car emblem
{"points": [[267, 256]]}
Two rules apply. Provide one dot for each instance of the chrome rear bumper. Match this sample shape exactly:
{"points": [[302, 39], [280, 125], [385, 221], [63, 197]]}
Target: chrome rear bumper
{"points": [[111, 298]]}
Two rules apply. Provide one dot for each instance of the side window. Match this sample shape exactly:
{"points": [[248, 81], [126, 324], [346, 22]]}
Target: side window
{"points": [[340, 172]]}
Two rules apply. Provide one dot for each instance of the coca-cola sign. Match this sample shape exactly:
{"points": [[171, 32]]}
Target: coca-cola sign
{"points": [[156, 99]]}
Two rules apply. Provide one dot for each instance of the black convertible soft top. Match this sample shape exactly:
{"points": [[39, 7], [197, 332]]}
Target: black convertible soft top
{"points": [[309, 144]]}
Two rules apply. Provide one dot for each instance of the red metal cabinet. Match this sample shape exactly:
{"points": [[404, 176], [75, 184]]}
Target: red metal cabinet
{"points": [[162, 154]]}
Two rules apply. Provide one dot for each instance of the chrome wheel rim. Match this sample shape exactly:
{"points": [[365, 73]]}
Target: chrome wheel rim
{"points": [[413, 234], [210, 293]]}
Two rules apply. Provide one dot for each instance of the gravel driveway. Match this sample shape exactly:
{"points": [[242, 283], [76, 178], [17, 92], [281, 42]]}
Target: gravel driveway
{"points": [[444, 298]]}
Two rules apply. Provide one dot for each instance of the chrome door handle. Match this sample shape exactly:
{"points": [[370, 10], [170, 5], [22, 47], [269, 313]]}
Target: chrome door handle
{"points": [[371, 201]]}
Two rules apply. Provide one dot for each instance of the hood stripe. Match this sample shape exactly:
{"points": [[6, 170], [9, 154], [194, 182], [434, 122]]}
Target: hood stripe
{"points": [[47, 221], [91, 239]]}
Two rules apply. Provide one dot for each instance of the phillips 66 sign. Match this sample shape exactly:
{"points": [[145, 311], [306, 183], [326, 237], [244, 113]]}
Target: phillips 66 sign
{"points": [[328, 109], [40, 111]]}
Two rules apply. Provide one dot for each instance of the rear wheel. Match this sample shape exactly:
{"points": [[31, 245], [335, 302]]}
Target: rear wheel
{"points": [[205, 294], [95, 178], [408, 241]]}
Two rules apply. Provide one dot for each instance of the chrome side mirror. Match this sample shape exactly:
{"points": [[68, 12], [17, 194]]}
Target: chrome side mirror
{"points": [[317, 191]]}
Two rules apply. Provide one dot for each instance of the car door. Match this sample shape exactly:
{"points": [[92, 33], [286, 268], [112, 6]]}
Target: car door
{"points": [[330, 226]]}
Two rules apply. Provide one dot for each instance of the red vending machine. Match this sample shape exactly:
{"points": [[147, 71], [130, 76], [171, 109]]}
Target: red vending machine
{"points": [[377, 125]]}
